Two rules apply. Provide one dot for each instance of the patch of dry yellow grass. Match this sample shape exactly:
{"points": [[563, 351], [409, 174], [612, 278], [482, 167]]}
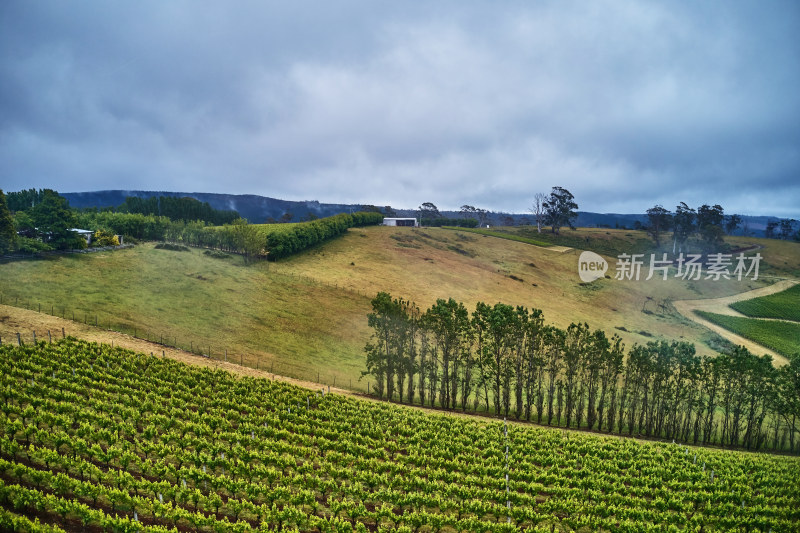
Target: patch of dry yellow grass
{"points": [[422, 265]]}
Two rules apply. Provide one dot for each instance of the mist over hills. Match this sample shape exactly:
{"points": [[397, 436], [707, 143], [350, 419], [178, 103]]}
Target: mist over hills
{"points": [[260, 209], [256, 209]]}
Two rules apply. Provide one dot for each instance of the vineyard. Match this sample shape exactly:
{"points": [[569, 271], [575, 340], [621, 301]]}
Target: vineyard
{"points": [[100, 438], [776, 335], [784, 305]]}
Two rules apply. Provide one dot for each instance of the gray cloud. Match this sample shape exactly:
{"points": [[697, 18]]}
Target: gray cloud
{"points": [[627, 104]]}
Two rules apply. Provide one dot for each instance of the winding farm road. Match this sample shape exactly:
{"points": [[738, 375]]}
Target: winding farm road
{"points": [[720, 306]]}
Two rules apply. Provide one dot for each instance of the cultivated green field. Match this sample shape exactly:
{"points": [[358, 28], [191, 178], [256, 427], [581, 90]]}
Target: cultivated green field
{"points": [[103, 439], [783, 337], [783, 305]]}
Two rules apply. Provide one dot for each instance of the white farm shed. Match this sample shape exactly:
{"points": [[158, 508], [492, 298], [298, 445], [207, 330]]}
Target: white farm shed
{"points": [[411, 222], [85, 233]]}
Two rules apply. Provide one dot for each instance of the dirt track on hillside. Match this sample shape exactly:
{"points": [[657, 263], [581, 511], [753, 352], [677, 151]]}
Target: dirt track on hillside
{"points": [[720, 306]]}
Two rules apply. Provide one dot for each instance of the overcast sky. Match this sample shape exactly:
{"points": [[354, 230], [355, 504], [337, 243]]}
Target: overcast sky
{"points": [[627, 104]]}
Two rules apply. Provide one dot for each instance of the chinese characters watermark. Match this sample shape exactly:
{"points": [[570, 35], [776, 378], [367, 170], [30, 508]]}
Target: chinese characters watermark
{"points": [[689, 267]]}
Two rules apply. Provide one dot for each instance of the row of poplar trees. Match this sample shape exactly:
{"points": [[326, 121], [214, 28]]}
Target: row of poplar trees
{"points": [[505, 360]]}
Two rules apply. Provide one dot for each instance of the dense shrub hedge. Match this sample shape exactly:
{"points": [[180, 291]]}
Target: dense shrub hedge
{"points": [[281, 240], [301, 236]]}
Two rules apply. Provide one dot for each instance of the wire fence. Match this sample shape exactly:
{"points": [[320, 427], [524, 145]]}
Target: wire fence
{"points": [[194, 347]]}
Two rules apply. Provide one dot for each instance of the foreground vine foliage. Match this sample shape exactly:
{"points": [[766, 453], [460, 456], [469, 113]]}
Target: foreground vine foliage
{"points": [[100, 438]]}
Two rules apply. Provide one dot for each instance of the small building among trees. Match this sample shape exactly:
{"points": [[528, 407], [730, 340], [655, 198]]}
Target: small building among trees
{"points": [[85, 233], [408, 222]]}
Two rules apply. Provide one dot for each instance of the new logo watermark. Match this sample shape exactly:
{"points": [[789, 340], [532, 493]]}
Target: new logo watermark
{"points": [[591, 266]]}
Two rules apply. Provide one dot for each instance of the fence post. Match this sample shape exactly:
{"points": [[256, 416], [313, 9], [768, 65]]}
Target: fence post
{"points": [[34, 337], [226, 355], [49, 337], [63, 335], [19, 340]]}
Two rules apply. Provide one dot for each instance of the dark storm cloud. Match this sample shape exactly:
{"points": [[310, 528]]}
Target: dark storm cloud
{"points": [[627, 104]]}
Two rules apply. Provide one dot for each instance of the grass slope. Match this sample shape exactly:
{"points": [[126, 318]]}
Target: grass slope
{"points": [[783, 337], [608, 242], [426, 264], [502, 235], [202, 301], [783, 305], [308, 312]]}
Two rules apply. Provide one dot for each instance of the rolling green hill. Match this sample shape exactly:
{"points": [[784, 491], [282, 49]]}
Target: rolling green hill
{"points": [[308, 312]]}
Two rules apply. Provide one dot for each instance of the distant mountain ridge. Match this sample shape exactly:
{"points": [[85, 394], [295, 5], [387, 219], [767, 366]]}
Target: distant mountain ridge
{"points": [[256, 209], [259, 209]]}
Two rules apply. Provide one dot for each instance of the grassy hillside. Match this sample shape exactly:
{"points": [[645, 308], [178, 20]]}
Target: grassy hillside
{"points": [[202, 301], [426, 264], [308, 312], [610, 242], [503, 235]]}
